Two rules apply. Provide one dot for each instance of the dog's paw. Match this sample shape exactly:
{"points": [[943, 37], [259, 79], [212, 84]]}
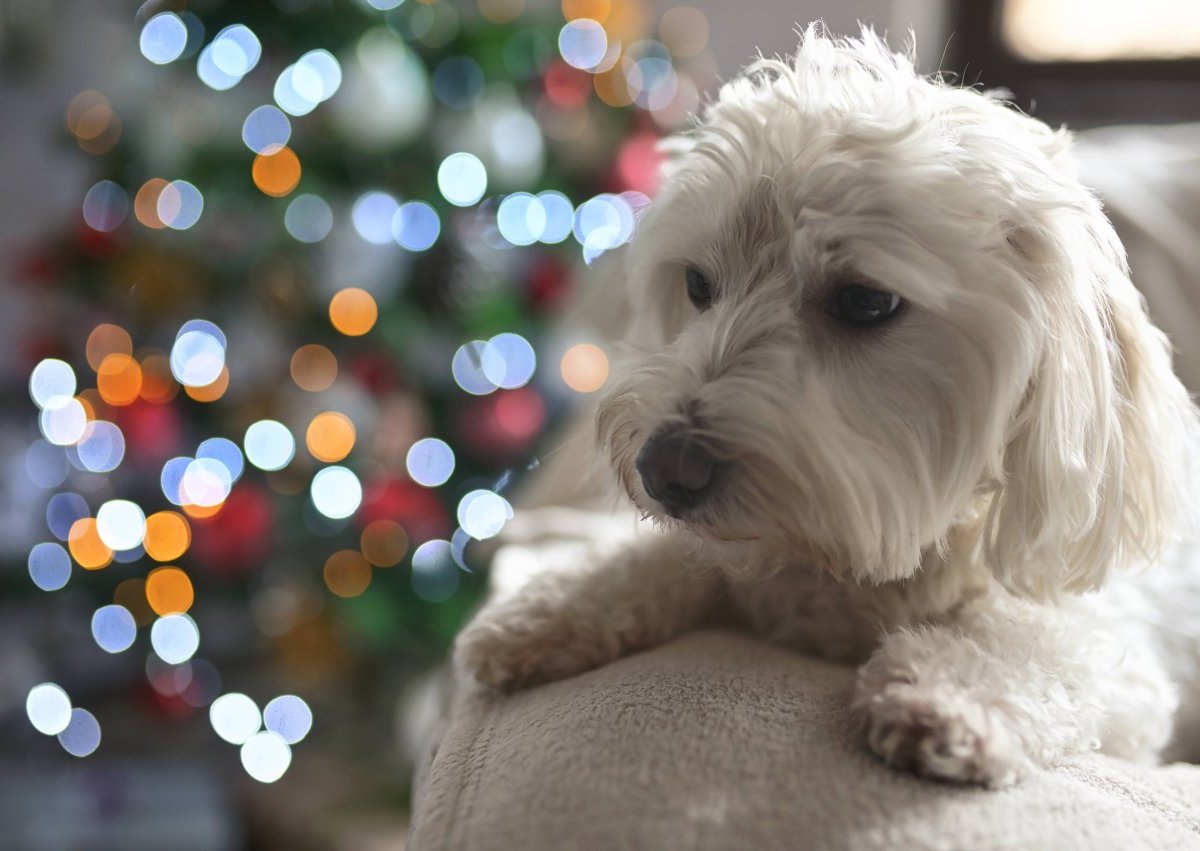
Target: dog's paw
{"points": [[941, 732], [522, 643]]}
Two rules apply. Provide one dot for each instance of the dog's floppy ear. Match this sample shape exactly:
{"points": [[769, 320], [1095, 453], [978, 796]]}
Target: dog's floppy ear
{"points": [[1096, 462]]}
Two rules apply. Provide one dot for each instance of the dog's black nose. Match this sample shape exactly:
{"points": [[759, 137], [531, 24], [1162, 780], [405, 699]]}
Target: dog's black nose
{"points": [[675, 469]]}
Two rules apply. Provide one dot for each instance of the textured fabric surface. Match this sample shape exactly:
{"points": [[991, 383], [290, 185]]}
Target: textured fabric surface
{"points": [[717, 741]]}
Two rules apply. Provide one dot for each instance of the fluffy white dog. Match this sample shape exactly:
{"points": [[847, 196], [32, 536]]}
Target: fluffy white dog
{"points": [[896, 401]]}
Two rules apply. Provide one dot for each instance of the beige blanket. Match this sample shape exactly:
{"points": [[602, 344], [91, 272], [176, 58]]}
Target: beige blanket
{"points": [[718, 741]]}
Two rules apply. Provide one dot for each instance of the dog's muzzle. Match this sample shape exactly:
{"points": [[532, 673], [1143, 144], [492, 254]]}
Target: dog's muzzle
{"points": [[676, 470]]}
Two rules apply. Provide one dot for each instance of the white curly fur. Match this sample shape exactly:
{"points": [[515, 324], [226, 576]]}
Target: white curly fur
{"points": [[962, 498]]}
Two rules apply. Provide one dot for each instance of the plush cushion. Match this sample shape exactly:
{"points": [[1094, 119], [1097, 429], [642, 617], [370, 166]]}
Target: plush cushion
{"points": [[718, 741]]}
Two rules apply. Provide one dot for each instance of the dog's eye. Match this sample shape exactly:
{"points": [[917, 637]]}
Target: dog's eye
{"points": [[859, 305], [699, 288]]}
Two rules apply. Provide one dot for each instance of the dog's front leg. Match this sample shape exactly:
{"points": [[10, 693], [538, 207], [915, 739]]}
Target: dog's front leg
{"points": [[1006, 687], [561, 624]]}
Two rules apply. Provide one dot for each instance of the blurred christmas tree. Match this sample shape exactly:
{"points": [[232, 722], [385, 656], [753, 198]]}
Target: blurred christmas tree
{"points": [[301, 339]]}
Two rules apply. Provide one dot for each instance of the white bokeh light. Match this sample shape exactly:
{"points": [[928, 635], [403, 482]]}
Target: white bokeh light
{"points": [[206, 482], [266, 130], [197, 358], [521, 218], [180, 205], [483, 513], [462, 179], [113, 628], [289, 717], [121, 524], [105, 206], [175, 638], [163, 38], [467, 369], [49, 566], [236, 50], [416, 226], [372, 215], [583, 43], [235, 718], [508, 361], [308, 218], [430, 462], [51, 380], [82, 734], [269, 445], [336, 492], [211, 75], [101, 448], [225, 451], [63, 421], [266, 757], [48, 708]]}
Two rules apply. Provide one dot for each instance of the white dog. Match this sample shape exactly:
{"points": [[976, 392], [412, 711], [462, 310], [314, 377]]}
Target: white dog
{"points": [[896, 399]]}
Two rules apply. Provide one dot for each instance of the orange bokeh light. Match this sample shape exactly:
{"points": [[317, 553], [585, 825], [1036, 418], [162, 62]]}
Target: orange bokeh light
{"points": [[347, 573], [597, 10], [85, 545], [169, 591], [314, 368], [276, 173], [145, 203], [119, 379], [330, 436], [210, 392], [353, 311], [168, 535], [585, 368], [106, 340], [384, 543]]}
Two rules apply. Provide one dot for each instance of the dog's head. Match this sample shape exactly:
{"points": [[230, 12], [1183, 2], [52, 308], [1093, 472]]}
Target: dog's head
{"points": [[872, 310]]}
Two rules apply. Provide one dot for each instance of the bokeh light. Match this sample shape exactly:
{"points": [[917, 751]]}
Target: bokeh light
{"points": [[308, 218], [119, 379], [121, 524], [236, 50], [62, 510], [104, 340], [175, 638], [197, 358], [483, 513], [434, 573], [158, 384], [314, 368], [169, 591], [206, 483], [48, 708], [168, 535], [430, 462], [384, 543], [63, 420], [179, 205], [269, 445], [105, 206], [372, 216], [113, 628], [277, 173], [210, 392], [235, 717], [353, 311], [82, 734], [521, 218], [86, 546], [603, 223], [416, 226], [211, 75], [266, 130], [462, 179], [336, 492], [585, 368], [347, 573], [583, 43], [51, 379], [266, 757], [289, 717], [49, 566], [467, 369], [101, 448], [508, 361], [163, 38], [330, 436]]}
